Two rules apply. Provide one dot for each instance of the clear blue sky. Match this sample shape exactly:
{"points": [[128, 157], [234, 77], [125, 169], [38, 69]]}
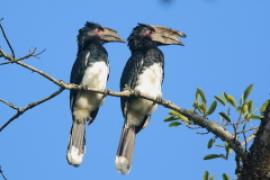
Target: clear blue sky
{"points": [[227, 48]]}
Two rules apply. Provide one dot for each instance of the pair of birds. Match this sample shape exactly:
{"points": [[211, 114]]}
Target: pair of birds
{"points": [[143, 72]]}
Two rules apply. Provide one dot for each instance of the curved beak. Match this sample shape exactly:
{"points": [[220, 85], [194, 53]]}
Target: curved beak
{"points": [[110, 35], [167, 36]]}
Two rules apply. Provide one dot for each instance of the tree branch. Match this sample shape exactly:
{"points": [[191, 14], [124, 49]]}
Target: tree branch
{"points": [[2, 174], [256, 165], [7, 40], [20, 111], [27, 56], [9, 104], [201, 121]]}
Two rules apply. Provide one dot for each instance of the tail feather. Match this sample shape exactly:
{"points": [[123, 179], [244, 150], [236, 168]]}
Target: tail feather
{"points": [[125, 150], [76, 144]]}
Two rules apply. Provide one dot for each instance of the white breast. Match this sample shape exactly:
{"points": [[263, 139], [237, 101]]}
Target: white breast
{"points": [[150, 80], [96, 75]]}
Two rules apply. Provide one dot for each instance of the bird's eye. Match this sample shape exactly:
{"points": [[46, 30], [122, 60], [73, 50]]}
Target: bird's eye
{"points": [[98, 31], [147, 32]]}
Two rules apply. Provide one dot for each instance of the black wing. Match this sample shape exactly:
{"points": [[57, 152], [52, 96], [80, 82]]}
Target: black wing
{"points": [[130, 74], [77, 72]]}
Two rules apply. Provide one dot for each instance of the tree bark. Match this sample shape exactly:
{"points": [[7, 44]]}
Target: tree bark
{"points": [[257, 164]]}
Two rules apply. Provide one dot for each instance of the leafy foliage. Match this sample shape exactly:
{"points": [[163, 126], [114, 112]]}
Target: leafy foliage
{"points": [[263, 107], [214, 156], [225, 176], [235, 116], [206, 176]]}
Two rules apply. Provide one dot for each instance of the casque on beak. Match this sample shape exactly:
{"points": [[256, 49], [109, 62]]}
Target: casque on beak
{"points": [[167, 36], [110, 35]]}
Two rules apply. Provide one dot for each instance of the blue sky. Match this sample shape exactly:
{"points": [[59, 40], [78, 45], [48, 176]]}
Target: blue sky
{"points": [[227, 48]]}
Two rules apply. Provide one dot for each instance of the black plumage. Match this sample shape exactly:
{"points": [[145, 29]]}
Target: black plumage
{"points": [[90, 69], [97, 54], [138, 62], [144, 72]]}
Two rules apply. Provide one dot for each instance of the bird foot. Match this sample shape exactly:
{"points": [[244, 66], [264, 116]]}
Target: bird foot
{"points": [[159, 99], [136, 93]]}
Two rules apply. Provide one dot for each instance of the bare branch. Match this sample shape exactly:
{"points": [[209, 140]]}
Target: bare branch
{"points": [[29, 67], [1, 171], [20, 111], [254, 129], [7, 40], [27, 56], [211, 126], [248, 139], [9, 104]]}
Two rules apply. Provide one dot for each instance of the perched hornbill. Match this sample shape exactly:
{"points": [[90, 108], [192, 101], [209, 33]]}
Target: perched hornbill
{"points": [[143, 73], [91, 69]]}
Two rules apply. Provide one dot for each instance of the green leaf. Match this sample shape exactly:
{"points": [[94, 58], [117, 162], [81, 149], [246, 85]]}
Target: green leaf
{"points": [[257, 117], [174, 124], [202, 108], [211, 178], [247, 92], [250, 106], [225, 116], [244, 108], [170, 118], [227, 149], [180, 116], [248, 116], [225, 176], [264, 106], [206, 175], [230, 99], [200, 93], [213, 156], [210, 143], [212, 108], [221, 100]]}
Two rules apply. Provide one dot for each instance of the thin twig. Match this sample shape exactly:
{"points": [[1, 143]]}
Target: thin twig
{"points": [[9, 104], [203, 133], [29, 55], [29, 67], [244, 136], [1, 171], [248, 139], [7, 40], [248, 130], [30, 106]]}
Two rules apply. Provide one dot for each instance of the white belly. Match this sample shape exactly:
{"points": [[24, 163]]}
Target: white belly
{"points": [[94, 77], [149, 82]]}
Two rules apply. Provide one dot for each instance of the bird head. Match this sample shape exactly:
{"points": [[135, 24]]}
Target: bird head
{"points": [[93, 32], [147, 36]]}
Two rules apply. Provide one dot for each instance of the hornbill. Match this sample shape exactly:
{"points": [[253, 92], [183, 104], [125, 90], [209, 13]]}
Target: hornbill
{"points": [[144, 73], [91, 69]]}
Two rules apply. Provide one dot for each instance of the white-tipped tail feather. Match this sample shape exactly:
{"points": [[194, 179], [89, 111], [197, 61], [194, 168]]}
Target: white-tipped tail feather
{"points": [[122, 164], [74, 156], [125, 150], [76, 145]]}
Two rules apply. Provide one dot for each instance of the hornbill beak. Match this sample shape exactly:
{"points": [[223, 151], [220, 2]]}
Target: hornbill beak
{"points": [[110, 35], [166, 36]]}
